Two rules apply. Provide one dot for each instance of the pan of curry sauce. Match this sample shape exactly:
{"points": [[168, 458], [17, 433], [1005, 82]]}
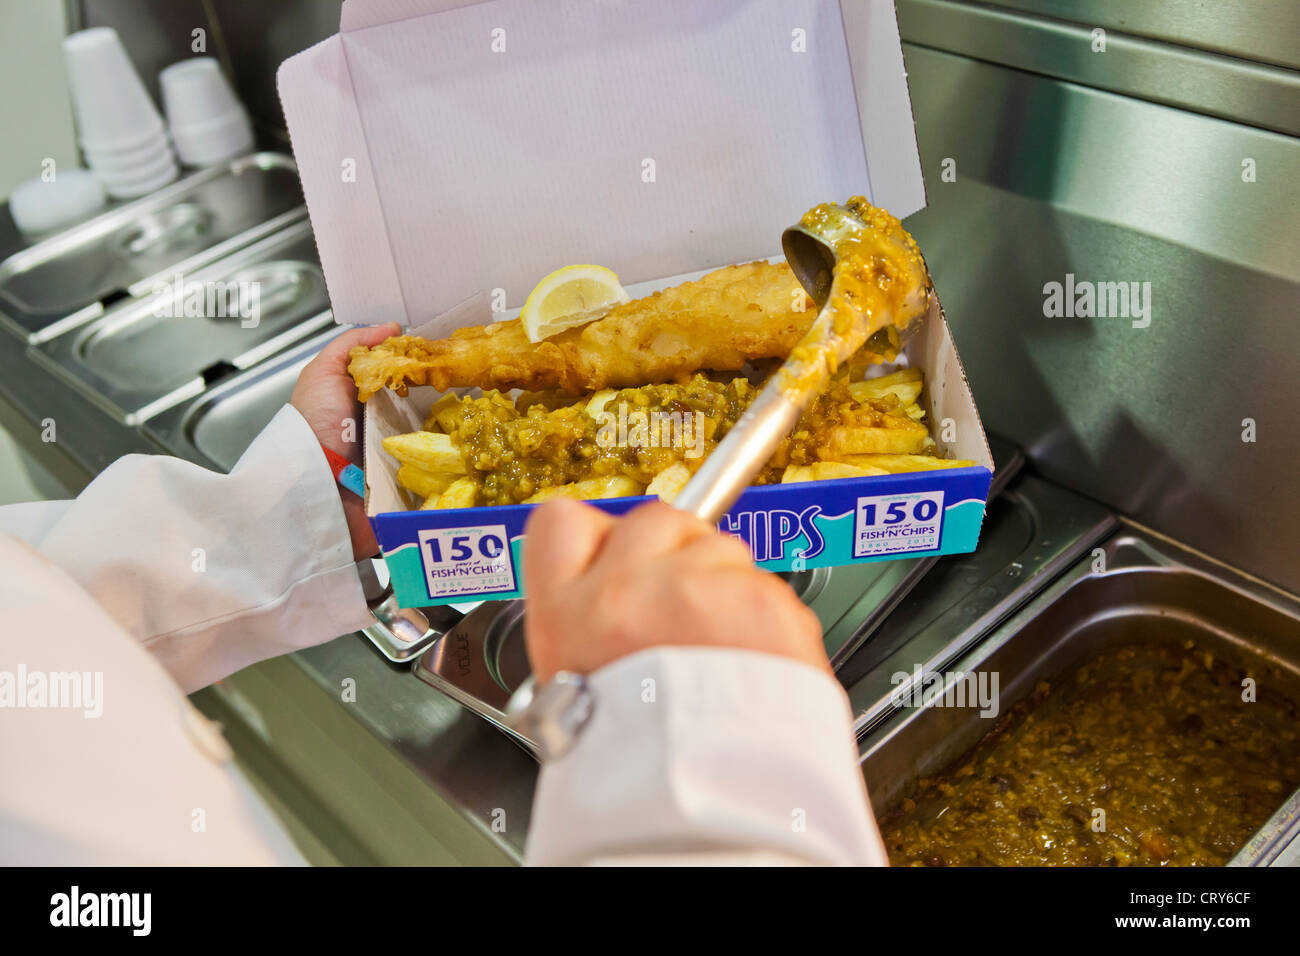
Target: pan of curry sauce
{"points": [[1149, 716]]}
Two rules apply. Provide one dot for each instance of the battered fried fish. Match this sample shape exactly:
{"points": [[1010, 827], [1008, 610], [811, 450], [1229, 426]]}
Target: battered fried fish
{"points": [[721, 321]]}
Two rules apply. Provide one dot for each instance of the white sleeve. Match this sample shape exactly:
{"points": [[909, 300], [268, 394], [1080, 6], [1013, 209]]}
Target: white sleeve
{"points": [[210, 572], [106, 762], [708, 756]]}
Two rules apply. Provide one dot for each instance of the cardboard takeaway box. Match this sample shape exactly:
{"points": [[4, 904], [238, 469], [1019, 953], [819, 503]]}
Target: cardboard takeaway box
{"points": [[453, 153]]}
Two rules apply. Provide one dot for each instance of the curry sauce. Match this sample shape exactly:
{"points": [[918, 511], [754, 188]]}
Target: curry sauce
{"points": [[515, 448], [1146, 755], [878, 288]]}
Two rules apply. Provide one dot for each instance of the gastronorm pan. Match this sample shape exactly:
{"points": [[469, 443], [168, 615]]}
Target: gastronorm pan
{"points": [[481, 661], [142, 357], [1150, 590], [215, 428], [76, 274]]}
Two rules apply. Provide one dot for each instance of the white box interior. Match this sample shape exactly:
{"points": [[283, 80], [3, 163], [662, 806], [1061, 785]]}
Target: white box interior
{"points": [[449, 148]]}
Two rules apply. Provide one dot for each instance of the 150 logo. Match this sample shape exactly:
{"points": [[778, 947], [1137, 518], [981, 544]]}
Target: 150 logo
{"points": [[893, 524], [473, 560]]}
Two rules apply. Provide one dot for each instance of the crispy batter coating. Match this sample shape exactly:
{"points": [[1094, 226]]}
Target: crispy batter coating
{"points": [[721, 321]]}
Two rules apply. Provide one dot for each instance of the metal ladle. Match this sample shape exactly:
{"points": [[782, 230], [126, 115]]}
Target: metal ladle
{"points": [[752, 441], [552, 724]]}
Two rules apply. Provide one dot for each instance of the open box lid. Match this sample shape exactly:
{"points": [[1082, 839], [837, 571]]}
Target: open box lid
{"points": [[448, 148]]}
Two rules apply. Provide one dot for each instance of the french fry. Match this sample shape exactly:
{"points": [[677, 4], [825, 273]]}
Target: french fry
{"points": [[901, 436], [822, 470], [461, 493], [905, 383], [895, 464], [555, 491], [611, 486], [669, 482], [430, 451], [444, 416], [426, 484], [596, 404], [589, 489]]}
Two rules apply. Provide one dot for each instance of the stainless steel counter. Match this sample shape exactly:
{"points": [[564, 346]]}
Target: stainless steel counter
{"points": [[1187, 422], [352, 749], [368, 765], [85, 440]]}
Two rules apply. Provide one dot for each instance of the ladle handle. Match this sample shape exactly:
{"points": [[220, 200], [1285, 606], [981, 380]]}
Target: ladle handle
{"points": [[752, 441]]}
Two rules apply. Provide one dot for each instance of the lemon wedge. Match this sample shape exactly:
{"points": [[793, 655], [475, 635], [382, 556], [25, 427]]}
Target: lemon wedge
{"points": [[574, 295]]}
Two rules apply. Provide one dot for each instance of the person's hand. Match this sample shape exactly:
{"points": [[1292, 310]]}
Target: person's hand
{"points": [[600, 588], [326, 397]]}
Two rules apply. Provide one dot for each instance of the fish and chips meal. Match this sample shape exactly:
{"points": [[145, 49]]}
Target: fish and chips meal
{"points": [[591, 395]]}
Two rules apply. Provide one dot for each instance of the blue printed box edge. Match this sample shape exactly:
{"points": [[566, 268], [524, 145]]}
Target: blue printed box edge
{"points": [[470, 554]]}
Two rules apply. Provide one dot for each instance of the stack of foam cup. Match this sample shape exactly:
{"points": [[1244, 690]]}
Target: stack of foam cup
{"points": [[121, 133], [208, 123]]}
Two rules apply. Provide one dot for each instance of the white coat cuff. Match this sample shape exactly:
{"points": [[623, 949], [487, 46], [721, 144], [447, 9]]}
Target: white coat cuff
{"points": [[696, 750], [298, 550]]}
